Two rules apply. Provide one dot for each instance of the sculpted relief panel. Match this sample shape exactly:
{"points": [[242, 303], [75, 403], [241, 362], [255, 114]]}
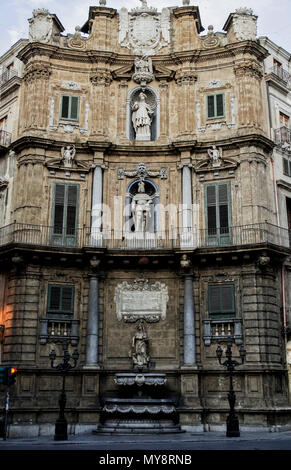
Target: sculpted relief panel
{"points": [[141, 300]]}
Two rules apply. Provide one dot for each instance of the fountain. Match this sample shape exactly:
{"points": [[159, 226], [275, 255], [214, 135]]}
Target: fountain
{"points": [[142, 405]]}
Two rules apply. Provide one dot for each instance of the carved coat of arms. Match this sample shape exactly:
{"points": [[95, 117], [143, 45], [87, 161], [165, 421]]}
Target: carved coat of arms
{"points": [[40, 26], [144, 30]]}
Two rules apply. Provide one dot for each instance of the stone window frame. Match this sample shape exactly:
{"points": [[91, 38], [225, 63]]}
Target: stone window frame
{"points": [[208, 95], [236, 322], [59, 313], [65, 326], [220, 314], [70, 96], [286, 163]]}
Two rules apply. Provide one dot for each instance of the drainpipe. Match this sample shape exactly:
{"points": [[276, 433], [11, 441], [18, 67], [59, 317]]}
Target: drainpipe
{"points": [[278, 224]]}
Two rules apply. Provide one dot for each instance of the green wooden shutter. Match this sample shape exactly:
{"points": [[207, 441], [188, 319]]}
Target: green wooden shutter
{"points": [[223, 206], [59, 208], [65, 104], [221, 301], [71, 210], [219, 105], [65, 214], [74, 114], [54, 299], [210, 106], [218, 213], [67, 299], [60, 299], [211, 209]]}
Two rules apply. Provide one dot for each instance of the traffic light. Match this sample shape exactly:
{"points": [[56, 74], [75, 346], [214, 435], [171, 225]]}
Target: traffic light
{"points": [[11, 375], [8, 375]]}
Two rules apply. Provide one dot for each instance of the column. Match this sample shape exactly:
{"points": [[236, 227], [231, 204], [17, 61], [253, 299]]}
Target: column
{"points": [[187, 221], [189, 321], [96, 218], [92, 325]]}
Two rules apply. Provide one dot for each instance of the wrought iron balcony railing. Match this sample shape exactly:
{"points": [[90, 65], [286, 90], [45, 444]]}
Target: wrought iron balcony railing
{"points": [[7, 75], [176, 238], [281, 73], [5, 138], [282, 135]]}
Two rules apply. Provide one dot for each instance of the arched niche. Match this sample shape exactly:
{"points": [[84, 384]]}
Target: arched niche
{"points": [[152, 99], [152, 190]]}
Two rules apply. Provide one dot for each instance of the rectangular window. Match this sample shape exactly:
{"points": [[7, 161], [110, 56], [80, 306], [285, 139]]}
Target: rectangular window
{"points": [[3, 123], [284, 120], [215, 106], [60, 300], [218, 213], [65, 210], [70, 107], [221, 301], [286, 167]]}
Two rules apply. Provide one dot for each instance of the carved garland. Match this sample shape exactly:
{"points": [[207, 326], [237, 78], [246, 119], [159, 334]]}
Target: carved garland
{"points": [[102, 77]]}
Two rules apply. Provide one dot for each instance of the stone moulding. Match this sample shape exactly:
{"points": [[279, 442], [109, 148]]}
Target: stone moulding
{"points": [[141, 299], [139, 409], [140, 379]]}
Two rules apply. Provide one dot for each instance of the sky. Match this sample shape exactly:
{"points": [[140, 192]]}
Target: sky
{"points": [[273, 21]]}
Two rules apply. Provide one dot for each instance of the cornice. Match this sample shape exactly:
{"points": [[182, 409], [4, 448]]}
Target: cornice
{"points": [[151, 150], [238, 142]]}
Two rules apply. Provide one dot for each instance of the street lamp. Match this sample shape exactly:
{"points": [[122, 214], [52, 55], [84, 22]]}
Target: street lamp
{"points": [[232, 423], [61, 426]]}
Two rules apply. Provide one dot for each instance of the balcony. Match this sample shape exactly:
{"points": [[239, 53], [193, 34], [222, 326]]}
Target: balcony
{"points": [[282, 135], [7, 75], [44, 236], [58, 330], [219, 331], [5, 138], [281, 73]]}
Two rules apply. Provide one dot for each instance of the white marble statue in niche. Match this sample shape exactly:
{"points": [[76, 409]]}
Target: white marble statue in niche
{"points": [[141, 208], [142, 117]]}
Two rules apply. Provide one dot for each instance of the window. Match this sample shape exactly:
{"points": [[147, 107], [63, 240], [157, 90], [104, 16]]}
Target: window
{"points": [[60, 300], [70, 107], [65, 206], [218, 214], [277, 63], [286, 167], [221, 301], [3, 123], [284, 120], [215, 106]]}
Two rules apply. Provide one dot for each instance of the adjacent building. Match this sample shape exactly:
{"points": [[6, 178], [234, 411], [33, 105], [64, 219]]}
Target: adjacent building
{"points": [[146, 222]]}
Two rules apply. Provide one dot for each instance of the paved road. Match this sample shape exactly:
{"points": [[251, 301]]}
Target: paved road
{"points": [[180, 442]]}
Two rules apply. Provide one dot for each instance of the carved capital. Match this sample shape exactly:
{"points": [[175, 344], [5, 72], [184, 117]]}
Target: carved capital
{"points": [[248, 69], [37, 73]]}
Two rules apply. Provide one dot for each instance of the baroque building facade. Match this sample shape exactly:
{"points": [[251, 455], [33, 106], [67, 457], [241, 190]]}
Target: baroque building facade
{"points": [[139, 220]]}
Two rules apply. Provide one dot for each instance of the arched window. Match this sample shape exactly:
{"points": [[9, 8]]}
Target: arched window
{"points": [[143, 114]]}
